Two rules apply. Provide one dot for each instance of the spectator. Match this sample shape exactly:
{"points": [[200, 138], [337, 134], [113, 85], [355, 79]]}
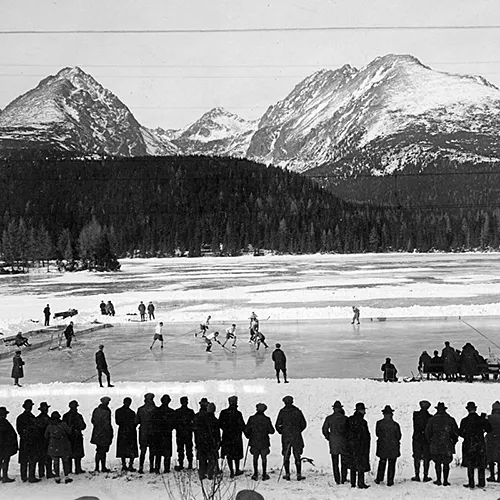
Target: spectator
{"points": [[126, 441], [388, 446], [334, 430], [8, 445], [151, 311], [77, 425], [46, 313], [102, 433], [57, 433]]}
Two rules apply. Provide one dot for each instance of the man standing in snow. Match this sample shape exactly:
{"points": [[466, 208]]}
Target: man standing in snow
{"points": [[151, 311], [290, 424], [142, 311], [358, 446], [356, 315], [28, 442], [126, 442], [69, 333], [279, 359], [144, 414], [77, 425], [184, 433], [46, 313], [102, 433], [44, 459], [334, 430], [17, 368], [232, 425], [102, 307], [158, 335], [388, 446], [420, 444], [162, 424], [8, 445], [102, 366]]}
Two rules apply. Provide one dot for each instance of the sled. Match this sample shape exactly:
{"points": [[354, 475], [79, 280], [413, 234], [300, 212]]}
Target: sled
{"points": [[66, 314]]}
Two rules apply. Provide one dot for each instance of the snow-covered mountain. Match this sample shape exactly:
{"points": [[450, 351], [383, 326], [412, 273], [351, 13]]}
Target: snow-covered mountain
{"points": [[385, 115], [72, 111]]}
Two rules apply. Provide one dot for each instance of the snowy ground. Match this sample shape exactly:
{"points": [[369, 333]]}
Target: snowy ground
{"points": [[293, 291]]}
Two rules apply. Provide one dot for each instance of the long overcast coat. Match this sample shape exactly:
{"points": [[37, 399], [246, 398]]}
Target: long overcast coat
{"points": [[126, 440], [77, 425], [358, 443], [232, 425], [334, 429], [102, 433], [388, 433], [472, 429], [442, 434], [493, 437]]}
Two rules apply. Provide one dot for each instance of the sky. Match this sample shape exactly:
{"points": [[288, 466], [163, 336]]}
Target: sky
{"points": [[170, 78]]}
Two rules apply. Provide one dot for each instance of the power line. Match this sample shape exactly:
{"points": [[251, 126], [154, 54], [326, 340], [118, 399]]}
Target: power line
{"points": [[247, 30]]}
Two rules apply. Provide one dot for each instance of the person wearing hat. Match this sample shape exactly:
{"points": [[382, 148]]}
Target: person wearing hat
{"points": [[442, 434], [232, 426], [258, 429], [450, 362], [102, 433], [279, 358], [469, 362], [151, 311], [44, 459], [334, 431], [46, 313], [29, 436], [290, 424], [142, 311], [493, 442], [472, 429], [17, 368], [424, 363], [57, 433], [207, 439], [8, 445], [390, 371], [69, 334], [162, 424], [143, 420], [126, 440], [358, 446], [102, 307], [20, 340], [388, 434], [184, 417], [102, 366], [74, 420], [420, 444]]}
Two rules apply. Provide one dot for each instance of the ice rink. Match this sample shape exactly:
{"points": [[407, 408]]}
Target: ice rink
{"points": [[329, 349]]}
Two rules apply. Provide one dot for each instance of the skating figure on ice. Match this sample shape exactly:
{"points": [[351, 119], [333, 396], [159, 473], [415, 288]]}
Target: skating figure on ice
{"points": [[209, 338], [254, 327], [279, 359], [204, 327], [356, 315], [260, 339], [230, 335], [158, 334]]}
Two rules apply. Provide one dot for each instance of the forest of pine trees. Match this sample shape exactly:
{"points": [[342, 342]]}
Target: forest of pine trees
{"points": [[94, 210]]}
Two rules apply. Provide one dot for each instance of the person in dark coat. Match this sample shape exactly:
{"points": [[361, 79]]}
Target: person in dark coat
{"points": [[69, 333], [142, 311], [290, 424], [161, 425], [257, 430], [8, 445], [27, 429], [126, 441], [334, 430], [472, 429], [184, 417], [389, 435], [279, 358], [450, 362], [102, 433], [57, 433], [102, 307], [17, 368], [77, 425], [110, 308], [20, 340], [355, 318], [420, 444], [424, 364], [207, 439], [143, 419], [436, 365], [151, 311], [358, 446], [44, 459], [389, 371], [232, 426], [102, 366], [469, 361], [46, 313], [493, 442], [442, 434]]}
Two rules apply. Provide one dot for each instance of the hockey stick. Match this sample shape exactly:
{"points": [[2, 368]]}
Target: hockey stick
{"points": [[224, 347], [246, 455], [286, 453]]}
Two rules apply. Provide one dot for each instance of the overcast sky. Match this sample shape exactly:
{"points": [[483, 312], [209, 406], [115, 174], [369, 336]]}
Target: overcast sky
{"points": [[170, 79]]}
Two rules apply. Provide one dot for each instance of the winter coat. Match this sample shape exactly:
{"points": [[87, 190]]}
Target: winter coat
{"points": [[420, 420], [77, 425], [69, 332], [206, 433], [151, 308], [126, 440], [257, 430], [358, 443], [143, 418], [17, 368], [424, 362], [334, 430], [388, 433], [57, 432], [442, 434], [142, 308], [232, 425], [469, 360], [8, 439], [100, 360], [436, 364], [450, 360], [161, 425], [184, 417], [102, 433], [472, 429], [290, 424], [279, 359], [42, 422], [390, 372], [29, 436], [493, 437]]}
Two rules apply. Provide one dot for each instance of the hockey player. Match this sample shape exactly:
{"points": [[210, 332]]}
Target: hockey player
{"points": [[204, 327], [158, 334], [209, 338], [260, 339], [230, 335], [355, 318]]}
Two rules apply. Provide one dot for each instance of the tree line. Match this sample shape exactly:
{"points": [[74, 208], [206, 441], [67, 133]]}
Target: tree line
{"points": [[93, 210]]}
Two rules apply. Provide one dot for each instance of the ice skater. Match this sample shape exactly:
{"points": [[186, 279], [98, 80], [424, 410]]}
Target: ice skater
{"points": [[158, 335], [230, 335], [204, 327], [356, 315], [69, 333], [279, 359], [209, 338], [17, 368], [260, 339]]}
